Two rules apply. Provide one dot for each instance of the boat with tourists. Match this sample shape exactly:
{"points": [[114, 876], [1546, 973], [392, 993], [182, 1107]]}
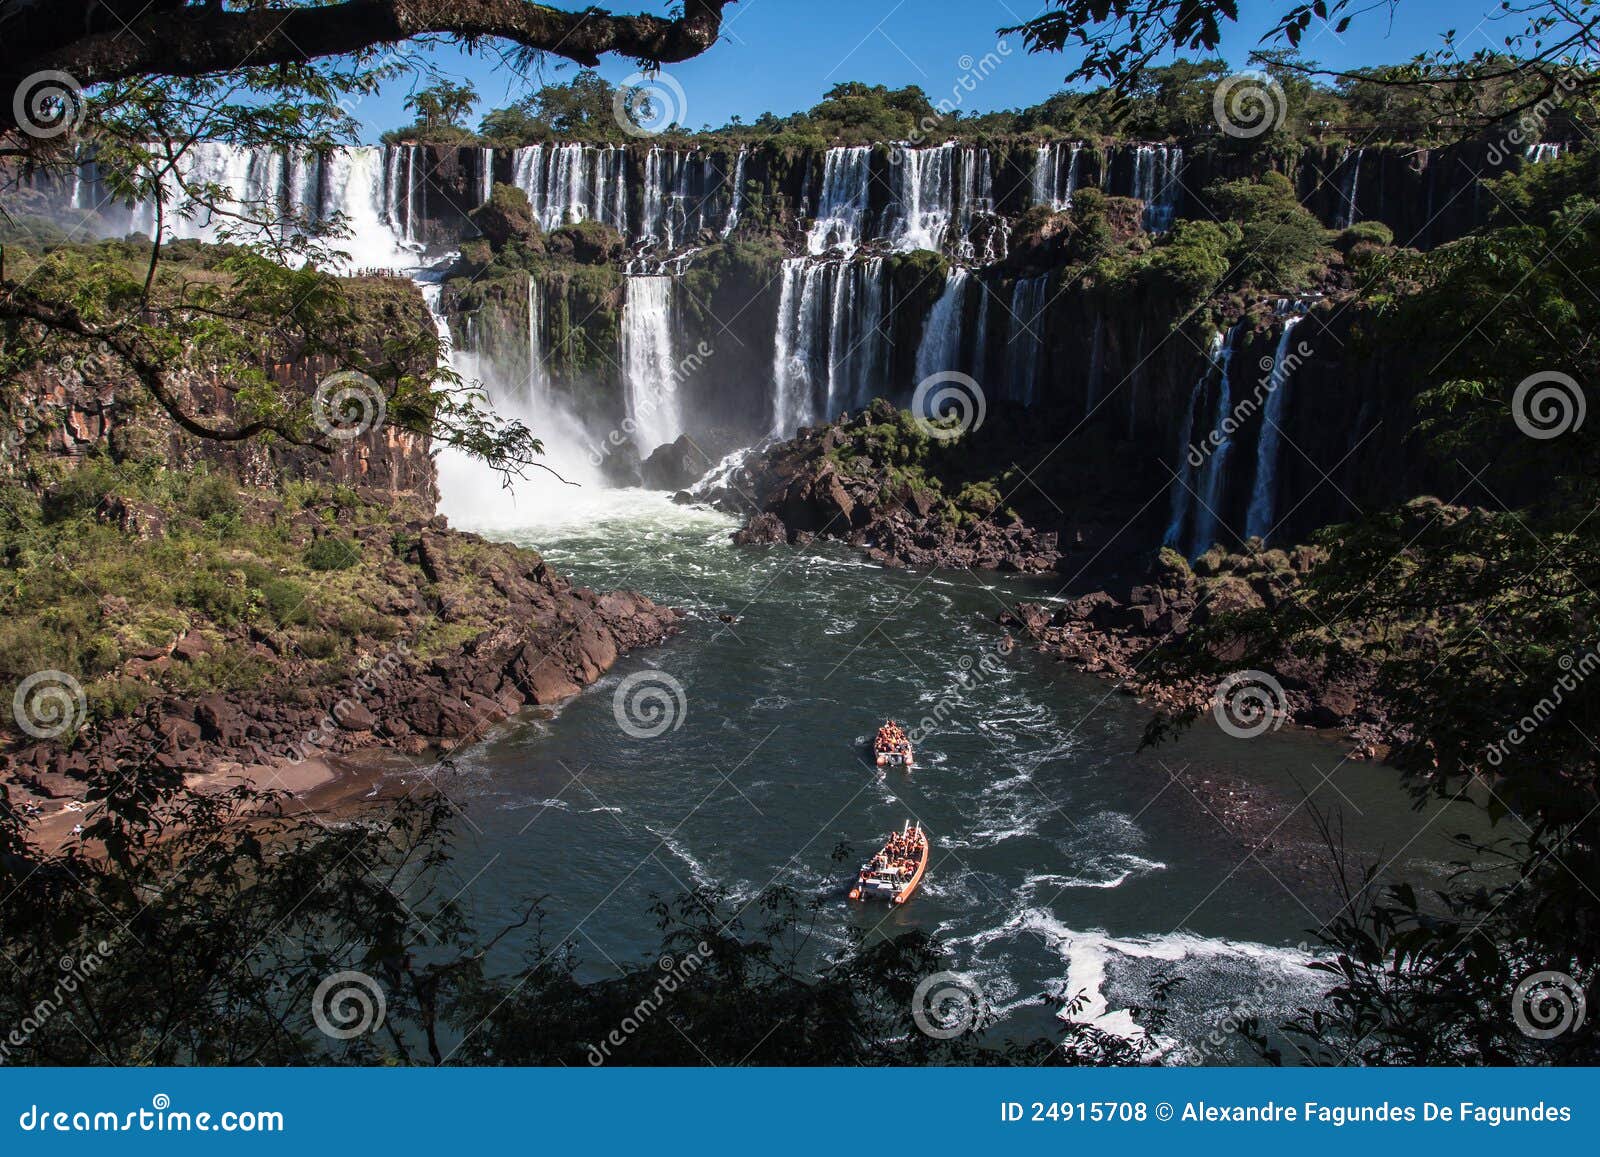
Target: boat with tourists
{"points": [[894, 873], [891, 747]]}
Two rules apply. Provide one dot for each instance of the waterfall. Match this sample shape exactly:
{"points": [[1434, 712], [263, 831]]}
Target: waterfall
{"points": [[736, 201], [940, 348], [1053, 182], [924, 194], [1156, 173], [269, 194], [485, 175], [1350, 187], [1183, 483], [1214, 472], [649, 374], [830, 348], [1543, 151], [470, 491], [980, 336], [393, 201], [1028, 300], [538, 372], [566, 184], [841, 202], [793, 360], [1258, 521], [416, 195]]}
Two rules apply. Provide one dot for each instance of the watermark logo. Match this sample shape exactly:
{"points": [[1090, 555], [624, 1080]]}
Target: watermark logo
{"points": [[947, 405], [1546, 1005], [48, 104], [948, 1004], [49, 703], [348, 1004], [347, 405], [1548, 404], [648, 104], [1249, 104], [649, 703], [675, 973], [1249, 703]]}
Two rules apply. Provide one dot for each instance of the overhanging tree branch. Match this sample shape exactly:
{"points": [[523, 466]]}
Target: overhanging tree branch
{"points": [[203, 39]]}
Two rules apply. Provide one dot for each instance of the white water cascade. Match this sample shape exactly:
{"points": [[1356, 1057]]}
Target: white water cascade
{"points": [[841, 202], [736, 198], [1350, 187], [268, 194], [1157, 170], [1184, 482], [1214, 472], [830, 349], [566, 184], [1055, 174], [1029, 297], [1258, 521], [940, 348], [649, 374], [924, 197], [470, 491]]}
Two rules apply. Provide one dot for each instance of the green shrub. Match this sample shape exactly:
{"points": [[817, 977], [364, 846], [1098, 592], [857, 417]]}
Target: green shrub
{"points": [[286, 601], [332, 553]]}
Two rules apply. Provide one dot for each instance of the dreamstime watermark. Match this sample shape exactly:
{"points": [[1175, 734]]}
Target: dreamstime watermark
{"points": [[1275, 372], [675, 974], [650, 403], [947, 405], [48, 704], [948, 1004], [347, 405], [1249, 703], [348, 1004], [1548, 404], [970, 673], [647, 104], [48, 104], [973, 73], [1546, 1005], [649, 703], [1248, 104], [345, 712], [1266, 994], [75, 974], [1573, 673]]}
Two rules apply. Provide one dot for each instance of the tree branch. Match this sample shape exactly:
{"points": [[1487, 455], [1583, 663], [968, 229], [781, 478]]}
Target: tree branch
{"points": [[192, 40]]}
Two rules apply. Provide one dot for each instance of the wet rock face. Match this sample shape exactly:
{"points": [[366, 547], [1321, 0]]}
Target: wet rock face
{"points": [[804, 489], [1104, 634]]}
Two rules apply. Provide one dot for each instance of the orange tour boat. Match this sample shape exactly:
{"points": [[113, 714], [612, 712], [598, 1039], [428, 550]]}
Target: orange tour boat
{"points": [[894, 873], [892, 746]]}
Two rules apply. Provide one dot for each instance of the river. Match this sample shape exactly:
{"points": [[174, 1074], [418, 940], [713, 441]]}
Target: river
{"points": [[1064, 857]]}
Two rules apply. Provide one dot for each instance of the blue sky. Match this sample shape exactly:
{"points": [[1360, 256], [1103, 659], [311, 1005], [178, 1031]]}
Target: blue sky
{"points": [[782, 55]]}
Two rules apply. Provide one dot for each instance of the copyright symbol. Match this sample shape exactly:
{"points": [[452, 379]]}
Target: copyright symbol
{"points": [[1163, 1112]]}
